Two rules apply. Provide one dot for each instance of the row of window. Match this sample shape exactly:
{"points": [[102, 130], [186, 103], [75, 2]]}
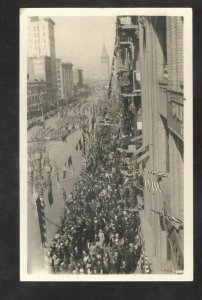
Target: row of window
{"points": [[36, 54], [35, 99], [37, 41], [36, 89], [36, 28], [32, 99]]}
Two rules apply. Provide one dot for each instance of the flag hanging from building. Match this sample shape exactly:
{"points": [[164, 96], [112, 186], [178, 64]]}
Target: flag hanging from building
{"points": [[70, 165], [147, 184], [152, 184]]}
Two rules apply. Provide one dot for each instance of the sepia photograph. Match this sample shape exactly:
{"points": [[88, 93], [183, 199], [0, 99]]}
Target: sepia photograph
{"points": [[106, 144]]}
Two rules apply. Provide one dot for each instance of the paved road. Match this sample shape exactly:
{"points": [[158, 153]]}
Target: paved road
{"points": [[58, 154]]}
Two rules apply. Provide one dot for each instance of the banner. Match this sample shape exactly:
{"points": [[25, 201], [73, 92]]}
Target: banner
{"points": [[42, 221]]}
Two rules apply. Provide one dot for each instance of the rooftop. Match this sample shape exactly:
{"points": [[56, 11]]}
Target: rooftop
{"points": [[34, 19]]}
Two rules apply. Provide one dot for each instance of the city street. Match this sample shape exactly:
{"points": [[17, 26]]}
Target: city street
{"points": [[58, 154], [105, 145]]}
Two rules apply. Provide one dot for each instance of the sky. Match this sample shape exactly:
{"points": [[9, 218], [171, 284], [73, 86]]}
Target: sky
{"points": [[79, 40]]}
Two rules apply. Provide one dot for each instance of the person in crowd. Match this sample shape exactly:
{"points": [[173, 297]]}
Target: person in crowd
{"points": [[64, 171], [64, 195]]}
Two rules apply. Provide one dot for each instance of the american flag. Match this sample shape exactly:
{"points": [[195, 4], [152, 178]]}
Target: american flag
{"points": [[152, 184]]}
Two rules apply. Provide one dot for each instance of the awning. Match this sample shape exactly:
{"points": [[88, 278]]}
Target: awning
{"points": [[136, 152], [133, 94], [136, 138], [143, 157], [139, 150]]}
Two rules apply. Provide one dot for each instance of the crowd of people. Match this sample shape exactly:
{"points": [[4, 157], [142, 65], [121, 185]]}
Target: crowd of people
{"points": [[99, 234], [67, 122]]}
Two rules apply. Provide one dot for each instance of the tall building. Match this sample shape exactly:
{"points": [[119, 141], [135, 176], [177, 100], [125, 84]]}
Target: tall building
{"points": [[41, 44], [80, 78], [64, 80], [105, 63], [149, 60], [40, 69], [36, 98], [41, 40]]}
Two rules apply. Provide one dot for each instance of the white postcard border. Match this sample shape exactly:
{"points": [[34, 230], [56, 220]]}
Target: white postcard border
{"points": [[186, 13]]}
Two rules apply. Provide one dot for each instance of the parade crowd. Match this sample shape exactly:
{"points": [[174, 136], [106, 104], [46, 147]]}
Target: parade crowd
{"points": [[98, 234]]}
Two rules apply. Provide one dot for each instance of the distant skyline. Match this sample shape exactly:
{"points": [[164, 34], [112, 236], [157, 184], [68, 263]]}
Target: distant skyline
{"points": [[79, 40]]}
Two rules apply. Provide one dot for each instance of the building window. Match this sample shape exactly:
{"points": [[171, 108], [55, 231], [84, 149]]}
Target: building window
{"points": [[161, 35]]}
